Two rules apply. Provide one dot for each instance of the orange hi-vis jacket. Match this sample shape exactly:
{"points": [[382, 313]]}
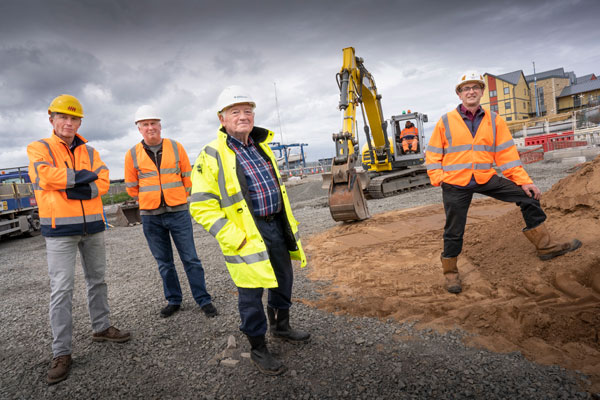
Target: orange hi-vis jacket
{"points": [[147, 182], [68, 186], [453, 155], [412, 131]]}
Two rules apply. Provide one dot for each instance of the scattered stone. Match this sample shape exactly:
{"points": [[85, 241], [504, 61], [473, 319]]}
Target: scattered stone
{"points": [[228, 362], [231, 343]]}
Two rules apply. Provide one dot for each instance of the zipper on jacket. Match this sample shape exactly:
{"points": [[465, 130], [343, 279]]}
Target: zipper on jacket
{"points": [[80, 201]]}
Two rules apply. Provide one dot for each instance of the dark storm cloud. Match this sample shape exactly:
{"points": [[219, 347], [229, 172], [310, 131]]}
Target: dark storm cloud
{"points": [[178, 55], [234, 61], [33, 74]]}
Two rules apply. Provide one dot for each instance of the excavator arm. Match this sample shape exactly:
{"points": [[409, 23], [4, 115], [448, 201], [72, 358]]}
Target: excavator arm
{"points": [[357, 90]]}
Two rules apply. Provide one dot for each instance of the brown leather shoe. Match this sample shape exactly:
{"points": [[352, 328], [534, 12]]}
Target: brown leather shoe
{"points": [[59, 369], [111, 334]]}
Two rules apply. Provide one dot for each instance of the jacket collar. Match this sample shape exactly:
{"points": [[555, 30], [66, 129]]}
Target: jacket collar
{"points": [[258, 134], [77, 140]]}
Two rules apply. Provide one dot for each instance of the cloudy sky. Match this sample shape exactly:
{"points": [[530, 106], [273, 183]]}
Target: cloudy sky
{"points": [[115, 55]]}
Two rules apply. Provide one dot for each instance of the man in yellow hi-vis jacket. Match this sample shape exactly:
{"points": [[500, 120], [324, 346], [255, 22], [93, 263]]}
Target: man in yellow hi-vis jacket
{"points": [[239, 198]]}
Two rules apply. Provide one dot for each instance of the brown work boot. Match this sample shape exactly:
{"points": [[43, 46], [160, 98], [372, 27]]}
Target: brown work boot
{"points": [[451, 276], [111, 334], [546, 247], [59, 369]]}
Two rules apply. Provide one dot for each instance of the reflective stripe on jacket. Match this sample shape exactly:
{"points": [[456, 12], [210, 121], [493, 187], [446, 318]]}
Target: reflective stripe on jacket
{"points": [[144, 180], [52, 169], [454, 155], [220, 202], [412, 131]]}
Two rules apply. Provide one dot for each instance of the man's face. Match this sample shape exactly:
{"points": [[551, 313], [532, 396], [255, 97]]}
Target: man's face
{"points": [[150, 130], [238, 120], [65, 126], [470, 94]]}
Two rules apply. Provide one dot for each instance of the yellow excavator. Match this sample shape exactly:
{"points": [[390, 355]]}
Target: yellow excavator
{"points": [[386, 166]]}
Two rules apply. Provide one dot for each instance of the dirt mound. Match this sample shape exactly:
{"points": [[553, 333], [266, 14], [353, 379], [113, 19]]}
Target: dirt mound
{"points": [[389, 267], [580, 190]]}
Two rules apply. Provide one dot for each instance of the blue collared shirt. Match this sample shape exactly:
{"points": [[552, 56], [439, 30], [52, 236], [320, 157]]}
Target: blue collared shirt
{"points": [[262, 184]]}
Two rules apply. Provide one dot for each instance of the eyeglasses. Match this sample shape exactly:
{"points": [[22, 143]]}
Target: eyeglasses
{"points": [[469, 88]]}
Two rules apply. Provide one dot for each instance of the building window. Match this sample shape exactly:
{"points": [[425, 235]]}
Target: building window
{"points": [[507, 105], [494, 108], [506, 90], [525, 92], [525, 105], [509, 118], [493, 93], [541, 96]]}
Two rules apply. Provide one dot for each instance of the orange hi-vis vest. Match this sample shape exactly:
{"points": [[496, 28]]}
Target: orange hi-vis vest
{"points": [[53, 168], [147, 182], [412, 131], [453, 155]]}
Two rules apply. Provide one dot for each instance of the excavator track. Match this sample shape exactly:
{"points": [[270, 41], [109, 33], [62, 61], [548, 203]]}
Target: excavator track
{"points": [[389, 184]]}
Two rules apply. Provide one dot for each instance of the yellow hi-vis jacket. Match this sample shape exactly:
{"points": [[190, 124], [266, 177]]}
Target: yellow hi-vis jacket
{"points": [[145, 181], [453, 155], [221, 203]]}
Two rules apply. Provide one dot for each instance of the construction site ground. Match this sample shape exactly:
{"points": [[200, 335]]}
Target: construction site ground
{"points": [[388, 267], [371, 296]]}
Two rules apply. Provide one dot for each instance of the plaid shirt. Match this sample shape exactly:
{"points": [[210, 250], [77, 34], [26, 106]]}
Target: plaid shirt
{"points": [[262, 184]]}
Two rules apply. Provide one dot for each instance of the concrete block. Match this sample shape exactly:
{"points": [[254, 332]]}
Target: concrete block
{"points": [[573, 160]]}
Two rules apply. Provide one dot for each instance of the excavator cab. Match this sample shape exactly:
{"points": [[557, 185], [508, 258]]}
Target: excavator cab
{"points": [[408, 151]]}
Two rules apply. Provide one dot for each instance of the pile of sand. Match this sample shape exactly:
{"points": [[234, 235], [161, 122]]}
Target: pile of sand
{"points": [[388, 267]]}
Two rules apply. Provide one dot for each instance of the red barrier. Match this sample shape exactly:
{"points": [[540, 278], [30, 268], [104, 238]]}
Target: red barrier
{"points": [[533, 155]]}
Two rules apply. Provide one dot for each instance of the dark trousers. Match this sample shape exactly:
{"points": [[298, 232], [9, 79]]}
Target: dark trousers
{"points": [[252, 313], [458, 200]]}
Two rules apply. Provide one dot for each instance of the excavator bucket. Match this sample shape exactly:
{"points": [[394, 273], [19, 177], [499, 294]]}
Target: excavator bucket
{"points": [[128, 214], [347, 200]]}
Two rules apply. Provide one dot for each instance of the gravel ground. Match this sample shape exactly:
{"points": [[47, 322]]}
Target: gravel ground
{"points": [[188, 355]]}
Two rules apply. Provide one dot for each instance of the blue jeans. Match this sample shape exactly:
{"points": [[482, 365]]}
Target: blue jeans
{"points": [[252, 313], [179, 225]]}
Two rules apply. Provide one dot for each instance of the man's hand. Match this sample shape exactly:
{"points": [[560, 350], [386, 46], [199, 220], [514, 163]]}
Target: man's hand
{"points": [[532, 191]]}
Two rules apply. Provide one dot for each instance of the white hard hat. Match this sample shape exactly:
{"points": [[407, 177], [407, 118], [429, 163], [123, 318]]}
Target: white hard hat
{"points": [[233, 95], [470, 76], [146, 112]]}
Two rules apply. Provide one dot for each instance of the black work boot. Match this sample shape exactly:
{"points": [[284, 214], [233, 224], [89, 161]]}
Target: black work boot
{"points": [[260, 356], [279, 325]]}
